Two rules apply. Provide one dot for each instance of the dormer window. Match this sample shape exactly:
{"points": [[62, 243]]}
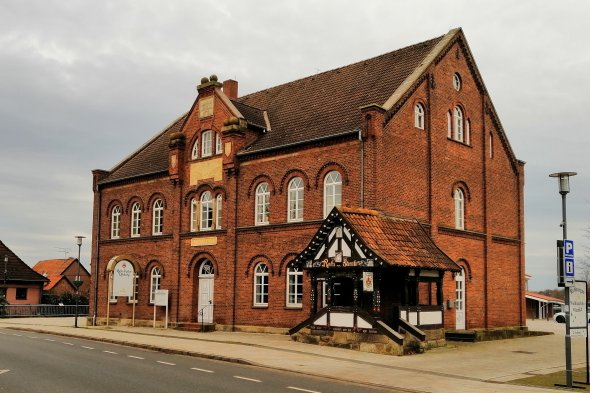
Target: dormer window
{"points": [[206, 143]]}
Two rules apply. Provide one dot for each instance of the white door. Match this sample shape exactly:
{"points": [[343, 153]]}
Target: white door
{"points": [[206, 286], [460, 300]]}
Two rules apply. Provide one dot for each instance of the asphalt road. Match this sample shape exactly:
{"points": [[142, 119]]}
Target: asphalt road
{"points": [[32, 362]]}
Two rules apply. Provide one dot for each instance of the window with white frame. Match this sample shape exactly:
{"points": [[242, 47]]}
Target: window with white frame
{"points": [[261, 285], [155, 279], [449, 125], [158, 217], [206, 211], [458, 124], [419, 116], [207, 143], [294, 286], [135, 219], [295, 200], [133, 299], [219, 211], [262, 208], [467, 132], [116, 222], [459, 197], [218, 143], [456, 81], [194, 215], [112, 298], [332, 191], [195, 150]]}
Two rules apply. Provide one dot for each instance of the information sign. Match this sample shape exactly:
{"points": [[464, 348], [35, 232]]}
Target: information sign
{"points": [[123, 279]]}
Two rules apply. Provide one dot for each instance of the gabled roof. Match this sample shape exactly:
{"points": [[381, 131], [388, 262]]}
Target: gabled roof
{"points": [[543, 298], [17, 270], [386, 239], [54, 270]]}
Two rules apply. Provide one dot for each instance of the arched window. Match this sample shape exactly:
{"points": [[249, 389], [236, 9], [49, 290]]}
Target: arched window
{"points": [[459, 197], [206, 143], [195, 150], [449, 125], [419, 116], [158, 217], [295, 200], [218, 144], [194, 215], [261, 285], [219, 215], [155, 278], [135, 219], [468, 132], [294, 286], [262, 209], [457, 81], [116, 222], [207, 269], [332, 191], [458, 124], [491, 145], [206, 211]]}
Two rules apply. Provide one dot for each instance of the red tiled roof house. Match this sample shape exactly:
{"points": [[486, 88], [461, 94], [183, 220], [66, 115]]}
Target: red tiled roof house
{"points": [[62, 274]]}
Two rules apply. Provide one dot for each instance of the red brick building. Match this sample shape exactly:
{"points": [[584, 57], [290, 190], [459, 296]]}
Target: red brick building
{"points": [[224, 206]]}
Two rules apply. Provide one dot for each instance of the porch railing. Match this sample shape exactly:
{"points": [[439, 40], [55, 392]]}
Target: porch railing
{"points": [[41, 310]]}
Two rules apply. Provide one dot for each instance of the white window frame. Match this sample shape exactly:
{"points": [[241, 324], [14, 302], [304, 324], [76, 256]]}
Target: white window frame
{"points": [[218, 143], [458, 126], [262, 204], [133, 299], [158, 217], [419, 116], [194, 217], [206, 211], [459, 198], [116, 222], [468, 132], [457, 82], [195, 150], [294, 287], [155, 282], [207, 143], [136, 220], [449, 125], [261, 285], [295, 200], [112, 298], [218, 211], [332, 191]]}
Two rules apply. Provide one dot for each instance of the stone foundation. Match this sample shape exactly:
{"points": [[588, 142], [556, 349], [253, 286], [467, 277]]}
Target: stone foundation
{"points": [[373, 343]]}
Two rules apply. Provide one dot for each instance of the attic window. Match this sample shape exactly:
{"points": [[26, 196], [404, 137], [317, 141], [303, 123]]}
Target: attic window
{"points": [[457, 81]]}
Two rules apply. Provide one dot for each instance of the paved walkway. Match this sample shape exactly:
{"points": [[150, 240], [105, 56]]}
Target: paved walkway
{"points": [[464, 367]]}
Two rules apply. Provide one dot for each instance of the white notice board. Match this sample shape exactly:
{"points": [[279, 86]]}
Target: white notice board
{"points": [[578, 309]]}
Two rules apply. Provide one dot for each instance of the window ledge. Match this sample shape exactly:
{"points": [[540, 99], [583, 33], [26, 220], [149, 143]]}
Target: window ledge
{"points": [[293, 307], [260, 306]]}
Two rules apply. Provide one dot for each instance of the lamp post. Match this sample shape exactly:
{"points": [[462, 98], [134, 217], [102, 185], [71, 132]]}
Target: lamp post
{"points": [[5, 274], [564, 189], [77, 281]]}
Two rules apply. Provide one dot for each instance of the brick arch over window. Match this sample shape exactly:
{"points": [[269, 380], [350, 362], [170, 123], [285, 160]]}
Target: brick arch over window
{"points": [[196, 260], [196, 193], [463, 186], [287, 259], [220, 190], [290, 175], [260, 179], [111, 205], [331, 166], [153, 198], [257, 259], [152, 264], [131, 201], [466, 267]]}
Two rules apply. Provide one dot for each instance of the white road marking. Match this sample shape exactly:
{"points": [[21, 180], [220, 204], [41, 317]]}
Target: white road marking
{"points": [[111, 352], [169, 364], [3, 371], [3, 333], [85, 347], [135, 357], [63, 342], [48, 339], [302, 390], [202, 369], [17, 335], [247, 379], [33, 337]]}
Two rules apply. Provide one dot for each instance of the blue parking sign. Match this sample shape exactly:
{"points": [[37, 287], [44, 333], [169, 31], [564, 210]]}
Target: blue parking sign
{"points": [[568, 258], [568, 248]]}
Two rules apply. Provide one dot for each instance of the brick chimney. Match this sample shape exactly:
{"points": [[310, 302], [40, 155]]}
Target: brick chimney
{"points": [[230, 88]]}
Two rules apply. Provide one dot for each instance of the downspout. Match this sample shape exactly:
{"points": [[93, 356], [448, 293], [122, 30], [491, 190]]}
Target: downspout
{"points": [[233, 319], [179, 248], [97, 218], [362, 163]]}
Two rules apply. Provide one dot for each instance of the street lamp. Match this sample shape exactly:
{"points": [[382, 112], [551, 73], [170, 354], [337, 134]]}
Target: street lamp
{"points": [[77, 281], [5, 274], [564, 189]]}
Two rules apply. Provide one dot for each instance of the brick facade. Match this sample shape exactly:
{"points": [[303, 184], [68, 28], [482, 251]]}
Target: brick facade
{"points": [[385, 163]]}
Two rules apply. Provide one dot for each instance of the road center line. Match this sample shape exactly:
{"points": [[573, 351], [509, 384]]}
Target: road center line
{"points": [[85, 347], [202, 369], [135, 357], [111, 352], [48, 339], [63, 342], [17, 335], [247, 379], [169, 364], [302, 390]]}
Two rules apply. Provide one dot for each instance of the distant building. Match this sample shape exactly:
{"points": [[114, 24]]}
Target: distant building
{"points": [[18, 282], [62, 273], [539, 306]]}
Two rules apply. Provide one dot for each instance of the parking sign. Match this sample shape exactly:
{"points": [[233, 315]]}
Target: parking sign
{"points": [[568, 258]]}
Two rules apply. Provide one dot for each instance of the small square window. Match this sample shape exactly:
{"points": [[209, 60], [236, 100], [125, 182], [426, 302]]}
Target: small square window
{"points": [[21, 293]]}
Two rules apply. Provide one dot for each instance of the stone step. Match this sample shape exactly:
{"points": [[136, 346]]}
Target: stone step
{"points": [[196, 327]]}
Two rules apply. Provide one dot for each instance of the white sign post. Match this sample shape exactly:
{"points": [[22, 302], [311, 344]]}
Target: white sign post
{"points": [[122, 283], [161, 299]]}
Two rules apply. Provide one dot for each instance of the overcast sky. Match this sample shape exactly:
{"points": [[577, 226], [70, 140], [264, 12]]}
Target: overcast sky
{"points": [[85, 83]]}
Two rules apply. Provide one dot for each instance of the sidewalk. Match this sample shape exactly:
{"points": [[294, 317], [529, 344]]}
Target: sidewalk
{"points": [[469, 367]]}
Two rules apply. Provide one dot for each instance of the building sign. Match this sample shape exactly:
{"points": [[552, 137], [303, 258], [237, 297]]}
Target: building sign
{"points": [[578, 310], [367, 281], [346, 262], [123, 279]]}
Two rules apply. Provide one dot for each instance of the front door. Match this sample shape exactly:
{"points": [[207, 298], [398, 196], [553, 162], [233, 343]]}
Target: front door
{"points": [[460, 300], [206, 286]]}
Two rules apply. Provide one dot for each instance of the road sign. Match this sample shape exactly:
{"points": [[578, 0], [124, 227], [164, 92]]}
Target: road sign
{"points": [[568, 262], [568, 248]]}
